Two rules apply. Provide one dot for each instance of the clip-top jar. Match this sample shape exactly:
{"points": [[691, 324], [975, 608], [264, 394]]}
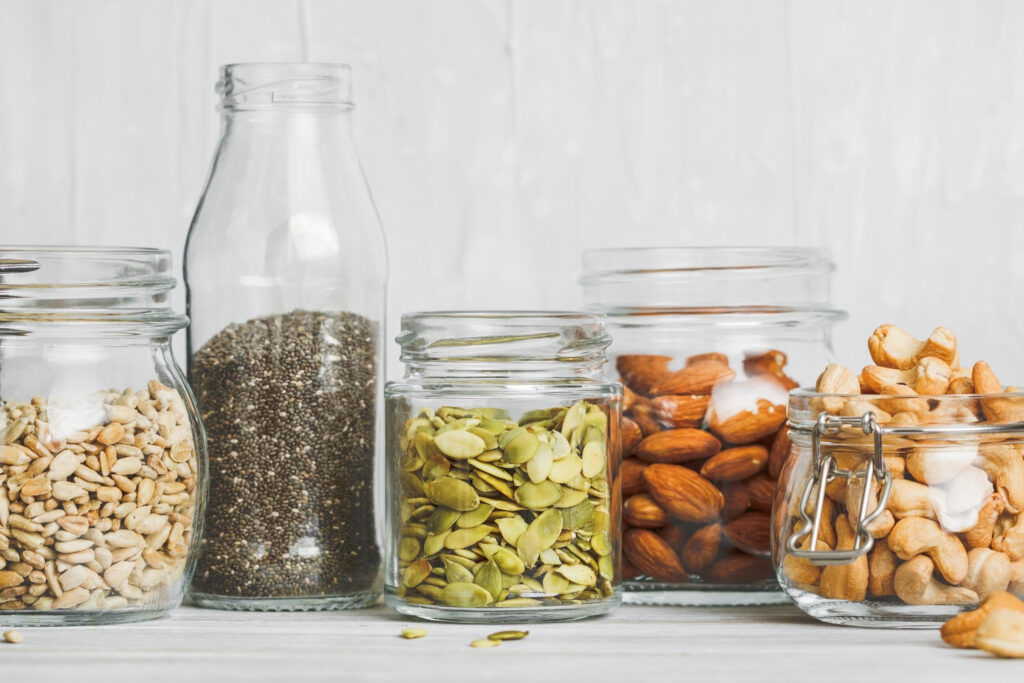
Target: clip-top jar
{"points": [[900, 524], [707, 343], [102, 457], [501, 461]]}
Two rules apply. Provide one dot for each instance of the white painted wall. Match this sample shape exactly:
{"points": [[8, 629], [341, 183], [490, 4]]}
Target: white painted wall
{"points": [[502, 137]]}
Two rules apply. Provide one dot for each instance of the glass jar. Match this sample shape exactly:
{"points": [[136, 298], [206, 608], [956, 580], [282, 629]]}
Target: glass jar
{"points": [[286, 272], [102, 456], [940, 526], [500, 464], [707, 344]]}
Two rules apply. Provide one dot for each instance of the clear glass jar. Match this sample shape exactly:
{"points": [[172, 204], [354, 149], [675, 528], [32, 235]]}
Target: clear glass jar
{"points": [[707, 344], [940, 527], [102, 456], [501, 469], [286, 271]]}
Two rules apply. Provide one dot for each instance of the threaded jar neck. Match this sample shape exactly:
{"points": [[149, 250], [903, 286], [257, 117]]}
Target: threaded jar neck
{"points": [[285, 86], [497, 344]]}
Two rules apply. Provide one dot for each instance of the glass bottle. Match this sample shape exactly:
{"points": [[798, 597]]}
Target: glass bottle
{"points": [[707, 343], [102, 455], [286, 271], [501, 463]]}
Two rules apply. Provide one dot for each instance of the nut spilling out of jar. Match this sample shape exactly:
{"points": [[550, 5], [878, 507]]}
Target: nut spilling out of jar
{"points": [[498, 513], [97, 499], [951, 530], [703, 451]]}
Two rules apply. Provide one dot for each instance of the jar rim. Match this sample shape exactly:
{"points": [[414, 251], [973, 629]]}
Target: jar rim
{"points": [[602, 263], [56, 289], [253, 86]]}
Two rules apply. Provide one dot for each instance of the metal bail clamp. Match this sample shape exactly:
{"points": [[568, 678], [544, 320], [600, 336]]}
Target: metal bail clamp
{"points": [[825, 471]]}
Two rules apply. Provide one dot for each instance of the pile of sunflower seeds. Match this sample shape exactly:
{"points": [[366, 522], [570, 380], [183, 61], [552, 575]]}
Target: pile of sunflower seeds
{"points": [[498, 513], [289, 406], [97, 500]]}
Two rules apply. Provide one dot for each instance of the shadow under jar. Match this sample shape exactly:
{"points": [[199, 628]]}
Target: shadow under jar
{"points": [[911, 521], [502, 502], [707, 344], [102, 456]]}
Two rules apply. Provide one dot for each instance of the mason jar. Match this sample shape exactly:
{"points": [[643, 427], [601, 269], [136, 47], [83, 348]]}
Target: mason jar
{"points": [[501, 458], [102, 456], [707, 344], [900, 511]]}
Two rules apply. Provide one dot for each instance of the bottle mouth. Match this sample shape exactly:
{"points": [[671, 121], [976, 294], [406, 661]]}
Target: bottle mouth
{"points": [[52, 288], [710, 281], [502, 337], [265, 86]]}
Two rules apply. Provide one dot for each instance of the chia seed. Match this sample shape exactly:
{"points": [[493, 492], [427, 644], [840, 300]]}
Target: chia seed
{"points": [[289, 406]]}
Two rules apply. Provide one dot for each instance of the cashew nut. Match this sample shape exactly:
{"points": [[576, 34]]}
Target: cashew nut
{"points": [[881, 570], [891, 347], [881, 525], [995, 409], [911, 499], [915, 585], [1008, 536], [988, 572], [1016, 578], [980, 536], [930, 376], [836, 379], [845, 581], [1004, 466], [914, 536], [802, 572], [938, 463], [856, 408], [961, 383], [903, 400]]}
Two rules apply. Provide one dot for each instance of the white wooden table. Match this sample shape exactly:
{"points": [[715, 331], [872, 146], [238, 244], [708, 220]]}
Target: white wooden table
{"points": [[633, 645]]}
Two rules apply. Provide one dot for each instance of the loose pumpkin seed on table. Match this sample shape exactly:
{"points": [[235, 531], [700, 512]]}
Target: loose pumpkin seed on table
{"points": [[494, 512]]}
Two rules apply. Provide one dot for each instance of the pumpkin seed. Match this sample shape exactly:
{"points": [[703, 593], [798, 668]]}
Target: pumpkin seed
{"points": [[463, 538], [509, 635], [547, 526], [528, 547], [408, 548], [425, 447], [465, 594], [433, 544], [519, 602], [555, 584], [411, 633], [490, 442], [459, 444], [507, 561], [485, 642], [606, 566], [495, 483], [570, 497], [415, 573], [539, 466], [538, 496], [456, 572], [441, 519], [493, 427], [578, 573], [476, 517], [601, 543], [489, 456], [520, 449], [488, 577], [559, 445], [435, 467], [549, 556], [578, 515], [566, 469], [593, 459], [501, 504], [511, 528], [574, 417], [490, 469], [452, 493]]}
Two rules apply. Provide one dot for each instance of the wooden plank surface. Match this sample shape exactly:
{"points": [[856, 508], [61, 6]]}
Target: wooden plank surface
{"points": [[633, 644]]}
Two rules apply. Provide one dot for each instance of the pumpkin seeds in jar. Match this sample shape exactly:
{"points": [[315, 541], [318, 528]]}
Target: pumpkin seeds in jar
{"points": [[504, 513]]}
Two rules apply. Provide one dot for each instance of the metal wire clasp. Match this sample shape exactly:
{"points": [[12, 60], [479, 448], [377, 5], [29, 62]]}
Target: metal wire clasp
{"points": [[825, 471]]}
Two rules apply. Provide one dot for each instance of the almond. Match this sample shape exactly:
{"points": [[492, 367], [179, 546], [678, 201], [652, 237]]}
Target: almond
{"points": [[631, 475], [698, 378], [769, 364], [684, 494], [762, 492], [643, 415], [739, 568], [702, 548], [631, 435], [629, 398], [629, 572], [677, 445], [779, 453], [640, 510], [640, 372], [734, 464], [713, 355], [651, 555], [751, 532], [746, 426], [681, 411], [737, 501]]}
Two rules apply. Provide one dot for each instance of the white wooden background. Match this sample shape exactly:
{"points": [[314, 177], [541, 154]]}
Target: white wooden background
{"points": [[501, 137]]}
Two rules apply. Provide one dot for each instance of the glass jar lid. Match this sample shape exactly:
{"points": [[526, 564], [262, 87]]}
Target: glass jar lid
{"points": [[71, 291]]}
